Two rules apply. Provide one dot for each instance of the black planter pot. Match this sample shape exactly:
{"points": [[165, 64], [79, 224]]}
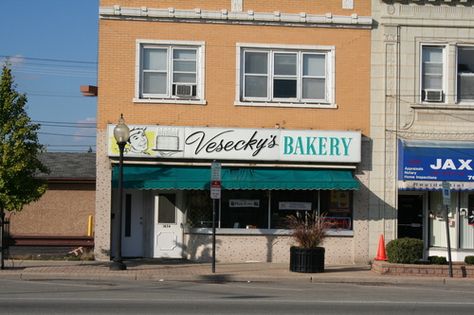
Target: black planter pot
{"points": [[307, 259]]}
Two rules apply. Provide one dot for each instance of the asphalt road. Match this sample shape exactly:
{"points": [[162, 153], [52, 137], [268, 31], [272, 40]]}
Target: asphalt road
{"points": [[147, 297]]}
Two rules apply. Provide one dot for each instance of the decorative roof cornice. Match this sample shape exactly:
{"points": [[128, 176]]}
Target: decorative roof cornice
{"points": [[225, 16]]}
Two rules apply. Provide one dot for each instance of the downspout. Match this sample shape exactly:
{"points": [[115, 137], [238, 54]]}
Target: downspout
{"points": [[397, 123]]}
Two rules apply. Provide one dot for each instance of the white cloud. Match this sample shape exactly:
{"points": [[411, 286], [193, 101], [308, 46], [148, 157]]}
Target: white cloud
{"points": [[15, 61]]}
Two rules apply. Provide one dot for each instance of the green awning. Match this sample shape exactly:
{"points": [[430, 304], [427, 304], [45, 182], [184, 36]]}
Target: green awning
{"points": [[186, 178]]}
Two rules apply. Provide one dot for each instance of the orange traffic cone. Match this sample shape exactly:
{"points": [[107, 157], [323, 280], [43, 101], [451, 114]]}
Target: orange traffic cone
{"points": [[381, 254]]}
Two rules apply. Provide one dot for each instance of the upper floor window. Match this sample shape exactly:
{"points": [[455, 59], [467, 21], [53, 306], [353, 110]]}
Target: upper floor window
{"points": [[465, 74], [432, 76], [294, 77], [435, 60], [170, 72]]}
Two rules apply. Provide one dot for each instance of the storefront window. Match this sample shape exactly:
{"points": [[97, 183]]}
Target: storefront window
{"points": [[198, 204], [289, 202], [466, 224], [337, 207], [258, 209], [244, 209]]}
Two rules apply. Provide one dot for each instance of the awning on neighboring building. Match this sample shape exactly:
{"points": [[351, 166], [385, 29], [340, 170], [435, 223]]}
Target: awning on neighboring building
{"points": [[187, 178]]}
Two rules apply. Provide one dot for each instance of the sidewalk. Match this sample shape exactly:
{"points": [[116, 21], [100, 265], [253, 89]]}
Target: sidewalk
{"points": [[178, 270]]}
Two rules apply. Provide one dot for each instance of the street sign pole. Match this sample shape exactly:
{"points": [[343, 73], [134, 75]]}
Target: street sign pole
{"points": [[214, 235], [447, 203], [215, 196]]}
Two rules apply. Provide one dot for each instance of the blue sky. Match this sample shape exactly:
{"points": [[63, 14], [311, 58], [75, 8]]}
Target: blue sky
{"points": [[52, 47]]}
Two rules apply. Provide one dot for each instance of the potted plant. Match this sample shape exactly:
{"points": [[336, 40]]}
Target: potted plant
{"points": [[309, 231]]}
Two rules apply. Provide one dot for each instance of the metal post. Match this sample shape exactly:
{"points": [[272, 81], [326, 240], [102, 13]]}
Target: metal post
{"points": [[214, 235], [449, 244], [117, 263]]}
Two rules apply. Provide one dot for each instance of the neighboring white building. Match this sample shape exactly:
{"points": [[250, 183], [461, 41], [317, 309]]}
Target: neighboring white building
{"points": [[422, 122]]}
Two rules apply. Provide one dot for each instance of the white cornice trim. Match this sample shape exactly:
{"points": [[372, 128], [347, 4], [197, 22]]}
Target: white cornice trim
{"points": [[276, 17]]}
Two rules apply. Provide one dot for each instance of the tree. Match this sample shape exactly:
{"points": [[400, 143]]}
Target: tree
{"points": [[19, 150]]}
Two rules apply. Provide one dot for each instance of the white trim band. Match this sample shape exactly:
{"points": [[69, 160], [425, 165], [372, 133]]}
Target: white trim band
{"points": [[225, 15]]}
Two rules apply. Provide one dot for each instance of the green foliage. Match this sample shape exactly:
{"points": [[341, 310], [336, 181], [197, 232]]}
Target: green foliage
{"points": [[19, 149], [309, 230], [405, 250], [437, 260], [469, 260]]}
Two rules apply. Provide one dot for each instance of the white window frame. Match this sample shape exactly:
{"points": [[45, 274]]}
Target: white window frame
{"points": [[456, 76], [168, 98], [444, 78], [300, 50]]}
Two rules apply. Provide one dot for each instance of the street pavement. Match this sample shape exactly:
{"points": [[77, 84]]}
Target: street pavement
{"points": [[182, 270]]}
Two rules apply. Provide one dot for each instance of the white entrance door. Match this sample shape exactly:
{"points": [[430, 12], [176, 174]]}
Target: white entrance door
{"points": [[168, 232], [132, 224]]}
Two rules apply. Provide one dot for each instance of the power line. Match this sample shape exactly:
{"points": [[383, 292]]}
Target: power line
{"points": [[66, 126], [53, 95], [70, 145], [65, 123], [50, 59], [64, 135], [69, 150]]}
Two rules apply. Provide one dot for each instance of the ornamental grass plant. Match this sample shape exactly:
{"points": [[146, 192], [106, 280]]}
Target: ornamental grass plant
{"points": [[309, 230]]}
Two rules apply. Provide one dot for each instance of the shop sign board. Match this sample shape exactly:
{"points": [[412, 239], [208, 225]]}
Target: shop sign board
{"points": [[436, 162], [147, 141]]}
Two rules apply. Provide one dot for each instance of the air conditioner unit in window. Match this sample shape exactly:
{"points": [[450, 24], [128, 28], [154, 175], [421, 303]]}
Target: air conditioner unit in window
{"points": [[432, 95], [185, 90]]}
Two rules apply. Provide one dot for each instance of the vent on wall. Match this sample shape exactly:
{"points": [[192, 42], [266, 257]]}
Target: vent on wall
{"points": [[432, 95]]}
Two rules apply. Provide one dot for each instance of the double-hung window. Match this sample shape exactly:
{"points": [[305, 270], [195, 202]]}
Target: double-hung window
{"points": [[435, 60], [432, 74], [282, 75], [170, 72], [465, 74]]}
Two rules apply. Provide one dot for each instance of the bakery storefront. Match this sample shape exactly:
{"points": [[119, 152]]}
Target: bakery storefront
{"points": [[267, 174], [423, 167]]}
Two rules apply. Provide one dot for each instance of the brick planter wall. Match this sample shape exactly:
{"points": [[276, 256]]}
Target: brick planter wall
{"points": [[460, 270]]}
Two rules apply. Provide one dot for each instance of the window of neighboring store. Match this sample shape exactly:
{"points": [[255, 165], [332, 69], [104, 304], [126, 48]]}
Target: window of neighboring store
{"points": [[466, 224], [432, 74], [285, 76], [170, 72], [257, 209], [461, 220]]}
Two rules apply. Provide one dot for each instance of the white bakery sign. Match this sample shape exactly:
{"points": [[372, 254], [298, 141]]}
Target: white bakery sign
{"points": [[148, 141]]}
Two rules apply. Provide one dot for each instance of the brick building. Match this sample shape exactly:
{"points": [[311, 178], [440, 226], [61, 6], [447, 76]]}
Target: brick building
{"points": [[422, 123], [277, 91], [62, 218]]}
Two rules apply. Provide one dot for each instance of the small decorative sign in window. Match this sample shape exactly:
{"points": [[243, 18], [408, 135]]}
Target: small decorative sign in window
{"points": [[244, 203], [294, 205]]}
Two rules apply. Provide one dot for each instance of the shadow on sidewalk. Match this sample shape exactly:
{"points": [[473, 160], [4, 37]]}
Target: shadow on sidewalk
{"points": [[337, 269], [138, 262]]}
